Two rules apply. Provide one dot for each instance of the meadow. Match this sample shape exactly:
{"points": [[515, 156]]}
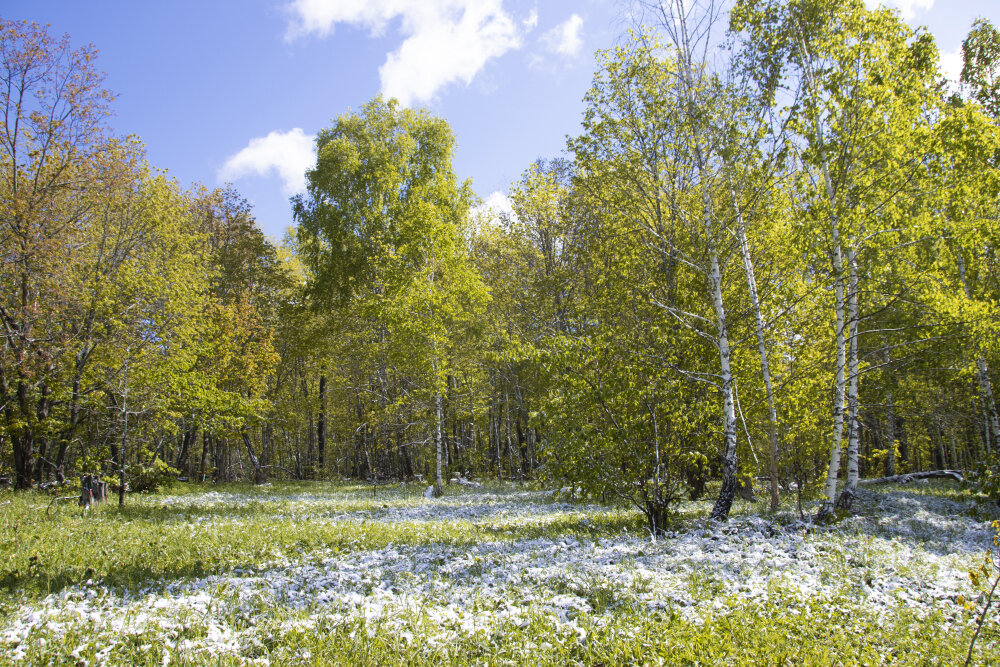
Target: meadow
{"points": [[339, 573]]}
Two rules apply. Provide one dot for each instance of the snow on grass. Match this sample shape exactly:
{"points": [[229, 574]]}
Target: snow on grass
{"points": [[393, 504], [901, 550]]}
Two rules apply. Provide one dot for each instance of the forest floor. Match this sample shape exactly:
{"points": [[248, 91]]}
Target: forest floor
{"points": [[316, 573]]}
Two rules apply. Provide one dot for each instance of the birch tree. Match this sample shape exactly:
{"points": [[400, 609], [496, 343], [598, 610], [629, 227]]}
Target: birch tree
{"points": [[381, 228], [866, 82]]}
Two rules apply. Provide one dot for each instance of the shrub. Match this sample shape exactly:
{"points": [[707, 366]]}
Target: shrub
{"points": [[151, 476]]}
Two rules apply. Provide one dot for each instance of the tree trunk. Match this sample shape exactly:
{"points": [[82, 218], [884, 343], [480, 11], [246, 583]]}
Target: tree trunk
{"points": [[255, 461], [846, 498], [720, 512], [205, 444], [983, 372], [909, 477], [321, 423], [954, 452], [121, 450], [23, 454], [765, 368], [890, 457], [439, 444], [841, 384]]}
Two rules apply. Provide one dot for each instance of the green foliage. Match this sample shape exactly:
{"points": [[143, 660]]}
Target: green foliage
{"points": [[151, 476], [584, 332], [981, 65]]}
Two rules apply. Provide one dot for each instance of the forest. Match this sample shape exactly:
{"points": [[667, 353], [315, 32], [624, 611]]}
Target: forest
{"points": [[765, 274], [774, 267]]}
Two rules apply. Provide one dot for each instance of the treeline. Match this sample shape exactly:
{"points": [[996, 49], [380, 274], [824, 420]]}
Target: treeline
{"points": [[770, 254]]}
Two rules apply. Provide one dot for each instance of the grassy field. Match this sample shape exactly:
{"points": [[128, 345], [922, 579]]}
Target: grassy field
{"points": [[314, 573]]}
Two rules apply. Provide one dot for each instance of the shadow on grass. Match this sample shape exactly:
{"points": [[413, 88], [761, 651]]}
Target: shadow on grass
{"points": [[146, 544], [140, 546]]}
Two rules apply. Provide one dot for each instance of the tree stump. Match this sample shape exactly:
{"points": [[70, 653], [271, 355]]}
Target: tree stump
{"points": [[92, 490]]}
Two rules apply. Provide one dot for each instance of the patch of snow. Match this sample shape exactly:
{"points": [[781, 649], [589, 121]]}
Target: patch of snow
{"points": [[901, 549]]}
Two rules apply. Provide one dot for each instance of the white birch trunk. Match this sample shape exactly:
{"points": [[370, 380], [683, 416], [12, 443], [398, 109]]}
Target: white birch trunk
{"points": [[983, 371], [765, 368], [853, 436], [689, 97], [838, 276], [438, 440], [724, 502], [839, 399]]}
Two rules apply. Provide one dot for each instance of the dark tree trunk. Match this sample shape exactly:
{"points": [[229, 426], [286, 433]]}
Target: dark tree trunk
{"points": [[205, 444], [189, 437], [321, 423], [23, 453], [255, 461], [41, 464]]}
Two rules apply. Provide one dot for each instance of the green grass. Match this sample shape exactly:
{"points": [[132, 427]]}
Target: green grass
{"points": [[182, 534], [43, 551], [786, 633]]}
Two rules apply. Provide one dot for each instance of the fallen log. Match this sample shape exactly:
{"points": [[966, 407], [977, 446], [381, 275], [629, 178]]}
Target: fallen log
{"points": [[466, 482], [56, 500], [913, 476]]}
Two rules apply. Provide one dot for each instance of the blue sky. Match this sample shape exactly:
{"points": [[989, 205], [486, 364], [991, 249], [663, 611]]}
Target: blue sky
{"points": [[234, 90]]}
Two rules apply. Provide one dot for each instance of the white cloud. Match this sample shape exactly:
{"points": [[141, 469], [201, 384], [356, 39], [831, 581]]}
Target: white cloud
{"points": [[531, 22], [565, 38], [951, 64], [287, 153], [908, 8], [494, 207], [446, 40], [499, 202]]}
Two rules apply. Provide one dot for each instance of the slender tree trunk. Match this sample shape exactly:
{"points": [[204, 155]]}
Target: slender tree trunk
{"points": [[206, 442], [321, 423], [955, 463], [121, 450], [841, 384], [23, 452], [310, 441], [765, 368], [689, 97], [720, 512], [23, 443], [439, 444], [255, 461], [890, 457], [41, 463], [74, 416], [890, 460], [846, 498], [983, 372], [838, 276], [940, 439]]}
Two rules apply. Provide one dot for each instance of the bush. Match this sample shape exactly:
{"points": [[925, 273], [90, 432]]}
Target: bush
{"points": [[151, 476]]}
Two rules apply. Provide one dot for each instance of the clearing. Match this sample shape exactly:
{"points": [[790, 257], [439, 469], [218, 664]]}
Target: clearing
{"points": [[311, 573]]}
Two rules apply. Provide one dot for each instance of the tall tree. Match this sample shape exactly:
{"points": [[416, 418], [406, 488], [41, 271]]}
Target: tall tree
{"points": [[865, 83], [52, 141], [381, 227]]}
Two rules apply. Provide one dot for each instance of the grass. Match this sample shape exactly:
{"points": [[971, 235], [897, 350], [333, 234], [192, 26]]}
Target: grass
{"points": [[43, 552], [311, 573]]}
